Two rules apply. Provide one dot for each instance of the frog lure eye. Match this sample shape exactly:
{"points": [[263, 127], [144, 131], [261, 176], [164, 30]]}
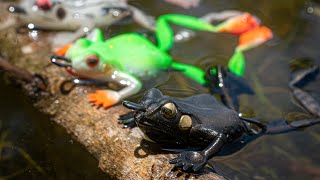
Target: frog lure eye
{"points": [[92, 61], [127, 58], [199, 127]]}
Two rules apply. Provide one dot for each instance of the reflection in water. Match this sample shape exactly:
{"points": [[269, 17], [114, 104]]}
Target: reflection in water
{"points": [[32, 146], [8, 155], [289, 156]]}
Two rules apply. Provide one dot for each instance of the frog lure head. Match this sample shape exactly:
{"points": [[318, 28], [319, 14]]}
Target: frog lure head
{"points": [[82, 61], [127, 57], [82, 15]]}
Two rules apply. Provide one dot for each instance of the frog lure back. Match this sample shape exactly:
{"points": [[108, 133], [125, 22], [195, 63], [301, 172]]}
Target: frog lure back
{"points": [[127, 58]]}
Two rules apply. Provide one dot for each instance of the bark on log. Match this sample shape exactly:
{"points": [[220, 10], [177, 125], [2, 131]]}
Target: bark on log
{"points": [[116, 149]]}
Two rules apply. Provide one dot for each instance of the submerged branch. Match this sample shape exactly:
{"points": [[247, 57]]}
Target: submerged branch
{"points": [[19, 73]]}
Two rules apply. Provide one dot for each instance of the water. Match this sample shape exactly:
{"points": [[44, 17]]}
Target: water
{"points": [[289, 156], [34, 147]]}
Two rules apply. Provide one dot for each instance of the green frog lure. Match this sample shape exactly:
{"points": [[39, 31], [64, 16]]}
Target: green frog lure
{"points": [[128, 58]]}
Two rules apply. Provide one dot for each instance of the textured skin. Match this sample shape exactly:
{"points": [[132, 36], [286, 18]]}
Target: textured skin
{"points": [[215, 129], [209, 118], [212, 126], [130, 53], [139, 56]]}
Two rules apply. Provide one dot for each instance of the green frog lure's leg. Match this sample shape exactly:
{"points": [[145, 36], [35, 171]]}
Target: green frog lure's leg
{"points": [[243, 24], [165, 38], [164, 33]]}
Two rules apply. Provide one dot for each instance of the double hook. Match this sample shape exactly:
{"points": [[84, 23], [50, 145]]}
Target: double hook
{"points": [[67, 86], [61, 61]]}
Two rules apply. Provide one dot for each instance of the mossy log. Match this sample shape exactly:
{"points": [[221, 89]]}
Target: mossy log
{"points": [[117, 149]]}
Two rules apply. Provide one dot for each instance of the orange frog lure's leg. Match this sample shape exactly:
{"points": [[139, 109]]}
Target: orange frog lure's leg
{"points": [[239, 24], [254, 37]]}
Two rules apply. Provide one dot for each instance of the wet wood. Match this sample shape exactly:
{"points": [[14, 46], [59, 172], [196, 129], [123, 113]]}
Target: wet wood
{"points": [[117, 150]]}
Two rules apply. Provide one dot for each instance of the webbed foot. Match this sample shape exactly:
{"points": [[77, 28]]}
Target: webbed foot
{"points": [[190, 161], [104, 98], [127, 120]]}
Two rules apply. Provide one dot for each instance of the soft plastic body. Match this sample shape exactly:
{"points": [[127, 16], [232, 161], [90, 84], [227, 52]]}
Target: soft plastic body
{"points": [[200, 127], [80, 16]]}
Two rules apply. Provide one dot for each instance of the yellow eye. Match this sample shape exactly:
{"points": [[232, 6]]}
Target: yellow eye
{"points": [[168, 110], [185, 122]]}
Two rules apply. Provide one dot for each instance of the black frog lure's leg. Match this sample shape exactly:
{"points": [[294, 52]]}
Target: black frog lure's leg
{"points": [[283, 126], [299, 79], [195, 160], [279, 126], [127, 120]]}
